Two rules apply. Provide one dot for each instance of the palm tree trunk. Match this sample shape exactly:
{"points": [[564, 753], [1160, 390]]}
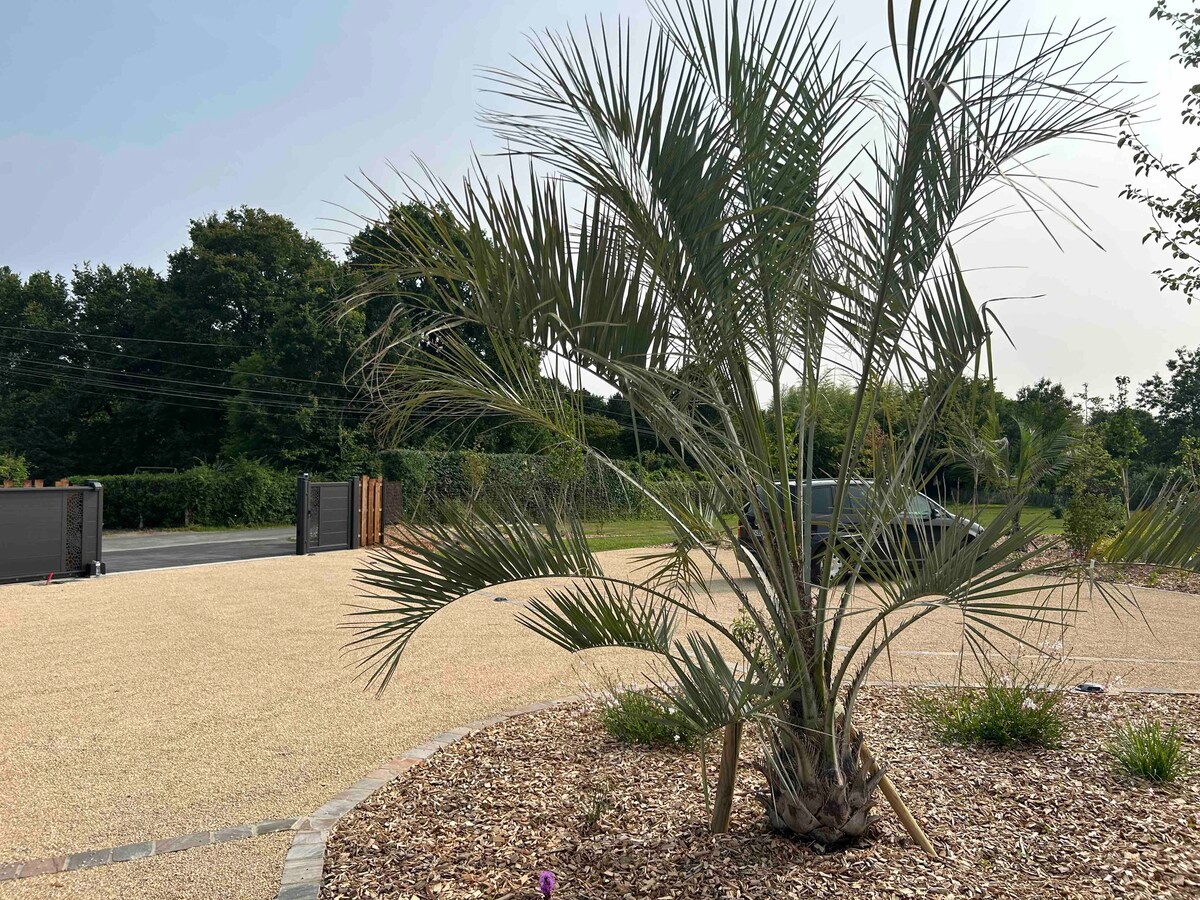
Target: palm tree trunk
{"points": [[726, 776]]}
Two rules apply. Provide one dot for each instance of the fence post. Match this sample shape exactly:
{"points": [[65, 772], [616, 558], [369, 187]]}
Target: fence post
{"points": [[302, 514], [355, 511], [377, 521]]}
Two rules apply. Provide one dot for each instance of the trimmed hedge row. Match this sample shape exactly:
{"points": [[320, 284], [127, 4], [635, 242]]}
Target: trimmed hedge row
{"points": [[242, 493], [583, 487], [225, 495]]}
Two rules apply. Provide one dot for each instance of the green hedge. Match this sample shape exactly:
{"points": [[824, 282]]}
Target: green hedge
{"points": [[225, 495], [247, 493], [13, 468], [546, 482]]}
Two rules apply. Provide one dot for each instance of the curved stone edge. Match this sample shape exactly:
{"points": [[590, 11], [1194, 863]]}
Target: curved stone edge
{"points": [[304, 864], [89, 859]]}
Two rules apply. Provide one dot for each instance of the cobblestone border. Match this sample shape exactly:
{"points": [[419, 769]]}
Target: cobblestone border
{"points": [[88, 859], [304, 865]]}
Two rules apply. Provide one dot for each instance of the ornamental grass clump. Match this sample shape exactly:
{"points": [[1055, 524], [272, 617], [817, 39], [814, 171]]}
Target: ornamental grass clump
{"points": [[1149, 751], [710, 221], [996, 715]]}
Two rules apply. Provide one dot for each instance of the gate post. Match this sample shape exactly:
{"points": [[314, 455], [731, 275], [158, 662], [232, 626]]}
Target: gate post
{"points": [[302, 515], [98, 566], [355, 511]]}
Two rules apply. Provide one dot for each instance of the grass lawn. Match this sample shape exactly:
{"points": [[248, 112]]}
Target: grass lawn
{"points": [[622, 534], [986, 512]]}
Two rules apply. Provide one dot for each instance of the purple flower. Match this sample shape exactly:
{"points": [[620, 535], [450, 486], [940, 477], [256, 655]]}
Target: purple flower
{"points": [[546, 883]]}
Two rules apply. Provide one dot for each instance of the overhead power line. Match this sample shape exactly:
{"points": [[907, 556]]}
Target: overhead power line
{"points": [[172, 362], [78, 367], [38, 378], [115, 337]]}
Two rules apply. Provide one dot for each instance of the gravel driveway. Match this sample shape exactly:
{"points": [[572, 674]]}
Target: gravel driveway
{"points": [[149, 705]]}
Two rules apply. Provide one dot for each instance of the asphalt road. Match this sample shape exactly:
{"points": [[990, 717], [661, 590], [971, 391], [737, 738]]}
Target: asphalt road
{"points": [[133, 552]]}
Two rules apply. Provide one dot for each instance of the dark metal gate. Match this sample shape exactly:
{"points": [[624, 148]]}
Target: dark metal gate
{"points": [[338, 515], [48, 531], [326, 515]]}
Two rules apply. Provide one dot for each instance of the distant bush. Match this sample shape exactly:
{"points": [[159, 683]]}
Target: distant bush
{"points": [[634, 717], [998, 715], [1089, 517], [13, 468], [537, 484], [1149, 751], [229, 494]]}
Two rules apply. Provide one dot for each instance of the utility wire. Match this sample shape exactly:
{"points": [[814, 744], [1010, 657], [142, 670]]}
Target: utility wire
{"points": [[115, 337], [38, 378], [172, 362], [165, 380], [160, 399]]}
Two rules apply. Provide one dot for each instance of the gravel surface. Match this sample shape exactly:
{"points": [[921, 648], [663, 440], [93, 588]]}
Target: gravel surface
{"points": [[483, 817], [242, 870], [149, 705]]}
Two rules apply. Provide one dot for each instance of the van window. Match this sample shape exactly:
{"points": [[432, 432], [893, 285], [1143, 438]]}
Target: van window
{"points": [[856, 496], [822, 500], [919, 507]]}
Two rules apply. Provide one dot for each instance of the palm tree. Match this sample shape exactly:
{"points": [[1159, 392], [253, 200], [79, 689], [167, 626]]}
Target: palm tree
{"points": [[703, 220]]}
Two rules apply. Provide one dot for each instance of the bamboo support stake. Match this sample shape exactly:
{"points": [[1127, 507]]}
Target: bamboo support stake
{"points": [[726, 774], [895, 800]]}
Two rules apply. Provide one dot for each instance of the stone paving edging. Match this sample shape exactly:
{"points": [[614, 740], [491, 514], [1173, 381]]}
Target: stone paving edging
{"points": [[304, 864], [88, 859]]}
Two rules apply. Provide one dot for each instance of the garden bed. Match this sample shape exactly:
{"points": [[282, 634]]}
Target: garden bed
{"points": [[1155, 577], [553, 791]]}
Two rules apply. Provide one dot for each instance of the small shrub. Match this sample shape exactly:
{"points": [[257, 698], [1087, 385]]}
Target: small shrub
{"points": [[635, 717], [1149, 751], [13, 468], [1089, 517], [997, 715]]}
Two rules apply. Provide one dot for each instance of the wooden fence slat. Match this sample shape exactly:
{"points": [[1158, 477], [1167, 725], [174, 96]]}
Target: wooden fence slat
{"points": [[378, 510]]}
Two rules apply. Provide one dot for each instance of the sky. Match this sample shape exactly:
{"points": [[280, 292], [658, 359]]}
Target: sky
{"points": [[125, 120]]}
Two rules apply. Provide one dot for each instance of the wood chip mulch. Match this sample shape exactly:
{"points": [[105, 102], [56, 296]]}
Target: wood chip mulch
{"points": [[483, 817], [1145, 576]]}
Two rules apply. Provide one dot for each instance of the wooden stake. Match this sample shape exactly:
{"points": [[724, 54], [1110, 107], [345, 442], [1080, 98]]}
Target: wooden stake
{"points": [[726, 776], [895, 800]]}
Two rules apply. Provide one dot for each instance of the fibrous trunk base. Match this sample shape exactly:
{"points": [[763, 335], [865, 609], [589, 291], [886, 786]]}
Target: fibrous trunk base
{"points": [[809, 797]]}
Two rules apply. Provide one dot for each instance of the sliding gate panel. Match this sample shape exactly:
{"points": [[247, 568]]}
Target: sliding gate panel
{"points": [[51, 531]]}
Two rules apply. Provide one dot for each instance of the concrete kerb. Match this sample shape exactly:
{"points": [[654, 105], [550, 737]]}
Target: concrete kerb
{"points": [[304, 864]]}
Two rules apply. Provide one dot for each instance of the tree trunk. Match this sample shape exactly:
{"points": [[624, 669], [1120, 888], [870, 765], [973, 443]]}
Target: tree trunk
{"points": [[726, 776]]}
